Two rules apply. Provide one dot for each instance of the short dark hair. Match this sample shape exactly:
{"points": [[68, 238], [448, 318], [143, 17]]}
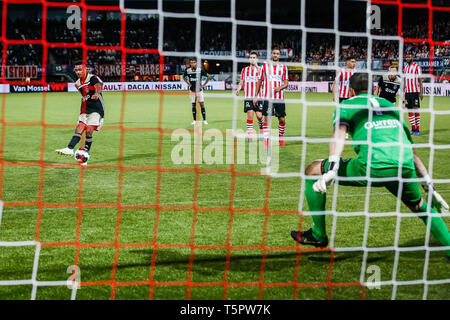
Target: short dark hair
{"points": [[276, 48], [359, 82], [350, 58], [77, 62], [193, 59], [253, 52]]}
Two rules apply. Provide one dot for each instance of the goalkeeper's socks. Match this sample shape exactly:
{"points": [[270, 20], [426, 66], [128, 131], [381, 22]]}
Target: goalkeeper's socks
{"points": [[438, 228], [316, 202], [412, 121], [417, 121], [88, 143], [194, 111], [75, 139], [249, 128], [203, 113]]}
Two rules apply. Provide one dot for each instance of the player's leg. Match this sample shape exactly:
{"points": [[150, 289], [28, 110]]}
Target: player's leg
{"points": [[417, 114], [248, 109], [193, 99], [417, 122], [258, 109], [267, 113], [412, 198], [317, 235], [281, 129], [80, 128], [202, 105], [411, 114], [280, 112], [94, 123], [316, 202], [89, 133], [260, 119], [250, 115]]}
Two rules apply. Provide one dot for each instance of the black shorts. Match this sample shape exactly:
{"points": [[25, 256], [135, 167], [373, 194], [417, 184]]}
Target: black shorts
{"points": [[248, 105], [412, 100], [279, 109], [342, 99]]}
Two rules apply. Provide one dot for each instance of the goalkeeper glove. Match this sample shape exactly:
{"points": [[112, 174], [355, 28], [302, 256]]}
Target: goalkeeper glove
{"points": [[321, 185], [437, 201]]}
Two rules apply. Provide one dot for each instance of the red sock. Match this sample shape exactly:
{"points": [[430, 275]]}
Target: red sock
{"points": [[250, 128], [266, 130], [417, 121], [412, 121], [281, 128]]}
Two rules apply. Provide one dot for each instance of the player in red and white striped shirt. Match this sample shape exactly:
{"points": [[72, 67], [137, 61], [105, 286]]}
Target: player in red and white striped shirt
{"points": [[413, 92], [249, 78], [343, 79], [273, 80]]}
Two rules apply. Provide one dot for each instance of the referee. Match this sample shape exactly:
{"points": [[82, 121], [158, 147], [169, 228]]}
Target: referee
{"points": [[388, 85]]}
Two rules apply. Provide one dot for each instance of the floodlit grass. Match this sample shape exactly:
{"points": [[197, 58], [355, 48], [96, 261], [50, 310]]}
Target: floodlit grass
{"points": [[143, 232]]}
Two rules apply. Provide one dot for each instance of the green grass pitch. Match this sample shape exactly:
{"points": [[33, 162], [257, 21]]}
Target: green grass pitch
{"points": [[154, 255]]}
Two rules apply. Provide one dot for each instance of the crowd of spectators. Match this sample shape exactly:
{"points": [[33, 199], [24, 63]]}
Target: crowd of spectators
{"points": [[103, 28]]}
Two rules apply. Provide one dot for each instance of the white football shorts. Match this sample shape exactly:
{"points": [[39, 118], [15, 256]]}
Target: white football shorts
{"points": [[91, 119], [198, 95]]}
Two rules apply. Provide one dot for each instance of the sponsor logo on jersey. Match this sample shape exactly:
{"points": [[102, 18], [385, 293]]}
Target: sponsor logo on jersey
{"points": [[275, 77], [382, 124]]}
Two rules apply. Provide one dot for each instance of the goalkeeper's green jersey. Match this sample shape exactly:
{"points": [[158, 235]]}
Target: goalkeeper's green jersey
{"points": [[390, 138]]}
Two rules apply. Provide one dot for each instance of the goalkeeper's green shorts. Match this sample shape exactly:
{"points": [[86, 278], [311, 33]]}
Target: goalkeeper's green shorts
{"points": [[410, 192]]}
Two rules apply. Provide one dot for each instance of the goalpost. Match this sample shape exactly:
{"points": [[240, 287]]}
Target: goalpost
{"points": [[301, 99]]}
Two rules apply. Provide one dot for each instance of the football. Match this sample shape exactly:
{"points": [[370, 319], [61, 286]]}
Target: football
{"points": [[82, 155]]}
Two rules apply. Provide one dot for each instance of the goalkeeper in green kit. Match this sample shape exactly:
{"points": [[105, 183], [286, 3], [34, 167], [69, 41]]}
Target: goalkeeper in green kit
{"points": [[367, 117]]}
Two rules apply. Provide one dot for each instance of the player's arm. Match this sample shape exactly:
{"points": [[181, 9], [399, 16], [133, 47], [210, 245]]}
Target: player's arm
{"points": [[185, 80], [419, 73], [338, 141], [403, 100], [399, 100], [285, 81], [421, 89], [403, 94], [258, 87], [98, 88], [207, 79], [377, 89], [421, 170], [437, 201], [333, 89], [258, 84], [282, 87], [337, 144], [239, 87], [241, 83]]}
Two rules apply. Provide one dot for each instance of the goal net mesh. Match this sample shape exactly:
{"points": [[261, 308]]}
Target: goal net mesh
{"points": [[265, 32]]}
